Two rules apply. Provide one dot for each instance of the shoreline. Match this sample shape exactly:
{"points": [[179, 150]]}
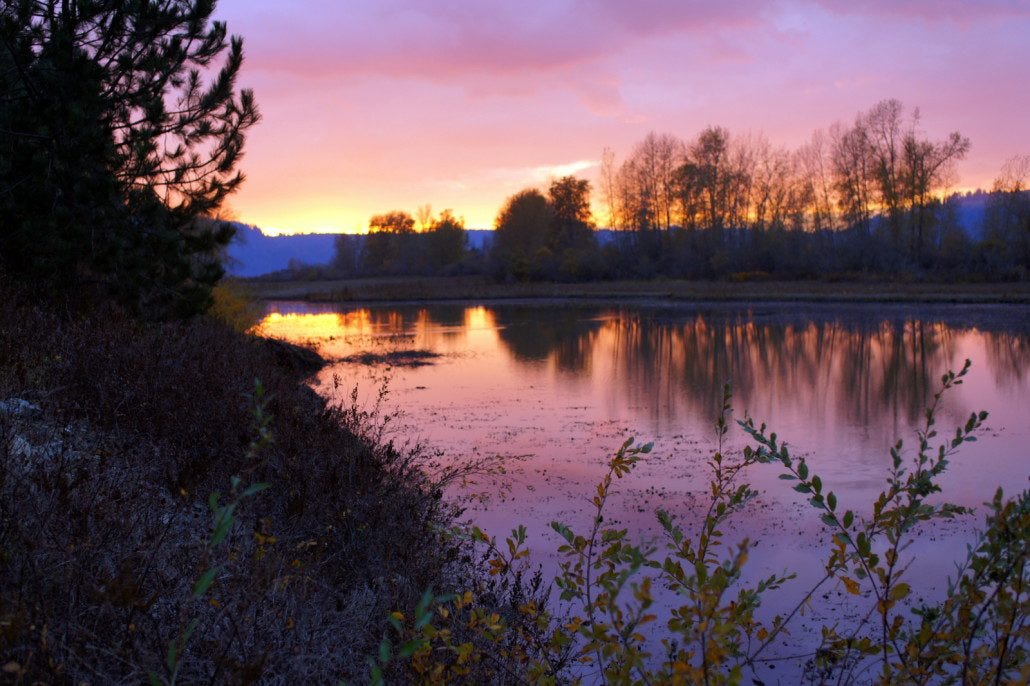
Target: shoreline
{"points": [[479, 290]]}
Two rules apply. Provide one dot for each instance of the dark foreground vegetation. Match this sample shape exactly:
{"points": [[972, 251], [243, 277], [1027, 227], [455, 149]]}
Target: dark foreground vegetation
{"points": [[106, 470]]}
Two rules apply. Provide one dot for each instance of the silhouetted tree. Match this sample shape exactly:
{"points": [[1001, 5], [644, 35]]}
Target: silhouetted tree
{"points": [[447, 244], [1007, 220], [883, 165], [387, 245], [113, 148], [520, 249], [571, 235], [424, 217], [347, 255]]}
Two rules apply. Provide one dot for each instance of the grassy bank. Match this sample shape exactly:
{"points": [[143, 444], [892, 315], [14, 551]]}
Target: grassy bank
{"points": [[409, 289], [124, 446]]}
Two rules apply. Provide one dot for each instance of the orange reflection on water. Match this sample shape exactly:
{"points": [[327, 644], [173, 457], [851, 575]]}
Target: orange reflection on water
{"points": [[302, 327], [338, 334]]}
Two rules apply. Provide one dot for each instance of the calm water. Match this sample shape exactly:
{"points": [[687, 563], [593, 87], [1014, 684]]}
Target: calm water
{"points": [[554, 389]]}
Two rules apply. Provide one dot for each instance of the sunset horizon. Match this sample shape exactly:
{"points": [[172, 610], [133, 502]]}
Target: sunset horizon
{"points": [[372, 107]]}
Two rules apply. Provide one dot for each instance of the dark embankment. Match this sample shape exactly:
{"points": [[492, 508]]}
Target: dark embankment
{"points": [[113, 436]]}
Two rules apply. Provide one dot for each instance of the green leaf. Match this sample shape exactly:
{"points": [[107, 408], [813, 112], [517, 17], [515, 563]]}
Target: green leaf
{"points": [[409, 648], [223, 523], [190, 628], [172, 656], [204, 582], [375, 673], [254, 489], [788, 477]]}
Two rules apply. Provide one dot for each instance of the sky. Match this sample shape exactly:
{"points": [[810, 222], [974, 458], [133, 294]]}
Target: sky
{"points": [[377, 105]]}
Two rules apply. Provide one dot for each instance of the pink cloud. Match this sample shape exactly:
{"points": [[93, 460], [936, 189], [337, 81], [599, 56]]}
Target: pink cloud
{"points": [[962, 11], [442, 39]]}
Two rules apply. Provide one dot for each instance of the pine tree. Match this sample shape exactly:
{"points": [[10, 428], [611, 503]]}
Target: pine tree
{"points": [[121, 128]]}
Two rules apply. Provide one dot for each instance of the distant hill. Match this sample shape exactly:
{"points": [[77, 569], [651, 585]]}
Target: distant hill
{"points": [[480, 239], [970, 209], [252, 253]]}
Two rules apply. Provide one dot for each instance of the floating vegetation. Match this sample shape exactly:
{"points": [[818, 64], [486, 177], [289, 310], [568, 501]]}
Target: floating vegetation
{"points": [[396, 358]]}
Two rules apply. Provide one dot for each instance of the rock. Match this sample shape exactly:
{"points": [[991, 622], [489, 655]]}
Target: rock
{"points": [[19, 408]]}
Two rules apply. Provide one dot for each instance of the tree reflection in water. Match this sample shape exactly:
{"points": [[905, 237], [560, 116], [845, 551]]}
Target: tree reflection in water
{"points": [[872, 366], [868, 365]]}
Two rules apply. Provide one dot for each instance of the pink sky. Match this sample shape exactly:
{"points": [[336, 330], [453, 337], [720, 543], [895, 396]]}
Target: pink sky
{"points": [[374, 105]]}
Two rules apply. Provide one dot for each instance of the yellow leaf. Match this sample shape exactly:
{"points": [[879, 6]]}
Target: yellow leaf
{"points": [[851, 585], [899, 591]]}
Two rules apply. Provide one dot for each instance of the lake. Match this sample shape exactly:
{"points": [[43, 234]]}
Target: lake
{"points": [[551, 390]]}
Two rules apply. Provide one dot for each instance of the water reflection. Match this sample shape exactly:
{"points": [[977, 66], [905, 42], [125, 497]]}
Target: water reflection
{"points": [[867, 368], [870, 366]]}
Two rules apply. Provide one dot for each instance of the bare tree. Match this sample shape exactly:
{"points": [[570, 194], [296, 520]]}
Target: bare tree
{"points": [[609, 187], [815, 167], [852, 173], [424, 217]]}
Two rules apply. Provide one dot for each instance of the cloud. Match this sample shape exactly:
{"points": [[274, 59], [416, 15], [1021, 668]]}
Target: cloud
{"points": [[448, 38], [560, 170], [514, 178], [962, 11]]}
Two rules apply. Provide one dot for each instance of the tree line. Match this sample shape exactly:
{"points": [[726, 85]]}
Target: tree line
{"points": [[859, 199], [394, 246]]}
